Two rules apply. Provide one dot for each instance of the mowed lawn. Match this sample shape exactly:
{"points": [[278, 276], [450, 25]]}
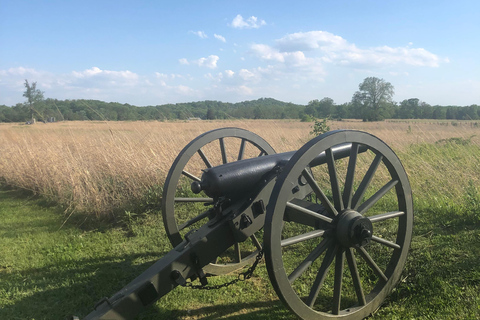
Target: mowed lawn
{"points": [[50, 269]]}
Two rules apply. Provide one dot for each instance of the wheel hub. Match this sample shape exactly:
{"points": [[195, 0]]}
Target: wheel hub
{"points": [[353, 229]]}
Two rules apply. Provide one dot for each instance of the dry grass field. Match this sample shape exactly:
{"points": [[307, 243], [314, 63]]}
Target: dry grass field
{"points": [[101, 168]]}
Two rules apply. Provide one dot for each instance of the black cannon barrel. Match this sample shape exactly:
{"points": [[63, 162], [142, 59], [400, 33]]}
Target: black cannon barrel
{"points": [[236, 179]]}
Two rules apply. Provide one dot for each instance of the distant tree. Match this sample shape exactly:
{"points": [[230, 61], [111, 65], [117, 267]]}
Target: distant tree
{"points": [[342, 111], [409, 109], [374, 99], [258, 113], [34, 96], [310, 109], [326, 108], [210, 114], [439, 112]]}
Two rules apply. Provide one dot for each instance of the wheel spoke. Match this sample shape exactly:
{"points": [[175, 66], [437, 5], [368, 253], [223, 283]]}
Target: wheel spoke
{"points": [[191, 176], [332, 171], [223, 151], [302, 210], [205, 200], [238, 253], [319, 193], [201, 216], [322, 272], [385, 216], [366, 181], [302, 237], [352, 265], [348, 190], [377, 196], [241, 152], [255, 241], [372, 263], [262, 153], [204, 158], [386, 242], [307, 262], [337, 285]]}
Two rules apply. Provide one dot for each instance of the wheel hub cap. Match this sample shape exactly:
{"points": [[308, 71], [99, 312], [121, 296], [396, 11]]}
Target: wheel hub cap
{"points": [[353, 229]]}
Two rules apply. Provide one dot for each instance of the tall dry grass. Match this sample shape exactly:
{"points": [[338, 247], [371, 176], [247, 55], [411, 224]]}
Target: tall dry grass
{"points": [[105, 167]]}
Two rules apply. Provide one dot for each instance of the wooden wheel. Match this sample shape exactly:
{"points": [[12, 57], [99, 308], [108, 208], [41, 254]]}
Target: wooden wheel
{"points": [[184, 211], [356, 221]]}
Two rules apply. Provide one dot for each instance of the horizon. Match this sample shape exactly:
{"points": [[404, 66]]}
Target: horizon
{"points": [[151, 53], [397, 103]]}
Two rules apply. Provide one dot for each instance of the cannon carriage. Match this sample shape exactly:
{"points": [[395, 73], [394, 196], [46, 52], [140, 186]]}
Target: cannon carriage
{"points": [[333, 221]]}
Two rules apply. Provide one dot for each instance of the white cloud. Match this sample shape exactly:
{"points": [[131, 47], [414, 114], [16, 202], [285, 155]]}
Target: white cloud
{"points": [[267, 53], [19, 71], [242, 90], [251, 23], [248, 75], [208, 62], [219, 37], [334, 49], [96, 75], [288, 63], [184, 89], [200, 34], [183, 61], [305, 41], [170, 76]]}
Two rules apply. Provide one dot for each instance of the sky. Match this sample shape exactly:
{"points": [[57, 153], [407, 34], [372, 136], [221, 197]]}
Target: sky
{"points": [[156, 52]]}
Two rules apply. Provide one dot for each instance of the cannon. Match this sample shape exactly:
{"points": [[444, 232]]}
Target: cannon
{"points": [[333, 222]]}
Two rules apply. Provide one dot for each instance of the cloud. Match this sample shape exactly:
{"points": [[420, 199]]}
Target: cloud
{"points": [[19, 71], [96, 75], [334, 49], [251, 23], [307, 41], [219, 37], [266, 52], [208, 62], [200, 34], [288, 63]]}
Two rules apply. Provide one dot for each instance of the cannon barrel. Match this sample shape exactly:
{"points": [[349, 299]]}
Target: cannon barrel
{"points": [[236, 179]]}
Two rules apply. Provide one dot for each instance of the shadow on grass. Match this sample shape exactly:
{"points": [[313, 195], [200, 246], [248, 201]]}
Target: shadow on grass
{"points": [[68, 288], [441, 278], [74, 287], [240, 311]]}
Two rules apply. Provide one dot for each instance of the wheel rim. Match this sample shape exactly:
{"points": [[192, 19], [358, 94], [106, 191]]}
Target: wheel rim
{"points": [[184, 211], [361, 232]]}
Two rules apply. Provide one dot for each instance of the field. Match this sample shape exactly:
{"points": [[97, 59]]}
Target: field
{"points": [[103, 168], [81, 232]]}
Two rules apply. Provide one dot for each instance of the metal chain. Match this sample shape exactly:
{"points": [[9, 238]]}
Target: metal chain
{"points": [[241, 277]]}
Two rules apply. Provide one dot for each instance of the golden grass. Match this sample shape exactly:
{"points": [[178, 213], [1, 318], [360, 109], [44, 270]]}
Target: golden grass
{"points": [[100, 167]]}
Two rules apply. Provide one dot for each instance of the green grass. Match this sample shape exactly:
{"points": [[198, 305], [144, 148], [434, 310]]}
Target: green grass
{"points": [[51, 268]]}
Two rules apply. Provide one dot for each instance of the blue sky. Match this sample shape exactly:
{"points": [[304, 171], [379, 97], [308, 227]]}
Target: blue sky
{"points": [[157, 52]]}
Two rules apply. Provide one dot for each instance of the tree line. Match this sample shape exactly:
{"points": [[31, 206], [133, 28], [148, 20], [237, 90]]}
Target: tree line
{"points": [[372, 102]]}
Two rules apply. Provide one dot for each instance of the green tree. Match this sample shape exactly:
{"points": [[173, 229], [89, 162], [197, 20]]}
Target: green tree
{"points": [[210, 114], [326, 107], [374, 99], [34, 96]]}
